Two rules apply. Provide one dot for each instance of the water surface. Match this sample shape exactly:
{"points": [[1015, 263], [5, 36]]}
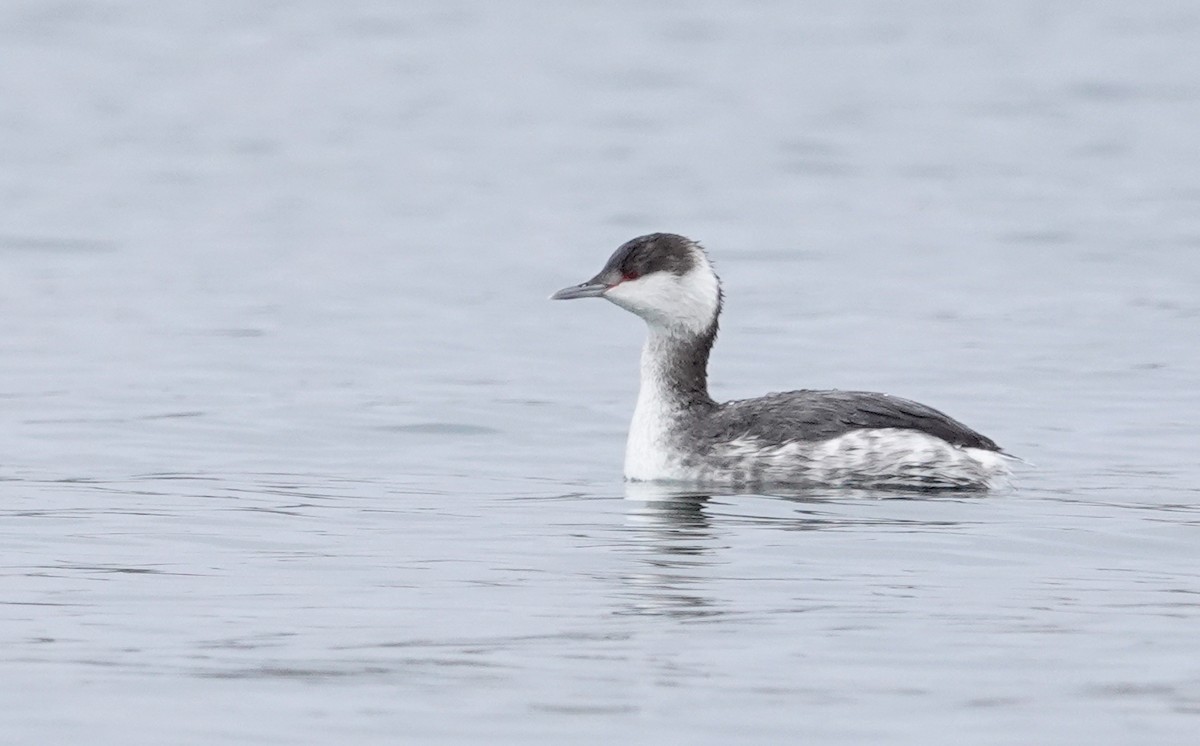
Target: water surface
{"points": [[294, 449]]}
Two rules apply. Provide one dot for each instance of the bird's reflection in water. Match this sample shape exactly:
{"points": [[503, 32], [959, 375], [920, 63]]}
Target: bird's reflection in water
{"points": [[677, 547], [681, 535], [676, 514]]}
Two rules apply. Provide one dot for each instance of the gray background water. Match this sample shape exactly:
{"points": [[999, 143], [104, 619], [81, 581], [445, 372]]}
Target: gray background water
{"points": [[294, 449]]}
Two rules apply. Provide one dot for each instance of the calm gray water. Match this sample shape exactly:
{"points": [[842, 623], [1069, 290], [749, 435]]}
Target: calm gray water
{"points": [[295, 450]]}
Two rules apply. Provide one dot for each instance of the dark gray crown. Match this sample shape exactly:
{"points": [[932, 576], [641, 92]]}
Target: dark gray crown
{"points": [[656, 252]]}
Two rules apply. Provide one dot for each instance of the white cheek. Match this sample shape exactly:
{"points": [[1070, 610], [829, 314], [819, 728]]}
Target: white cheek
{"points": [[702, 294], [667, 300], [650, 297]]}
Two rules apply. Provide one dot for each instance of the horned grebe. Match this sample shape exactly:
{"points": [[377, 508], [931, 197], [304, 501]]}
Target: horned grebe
{"points": [[835, 438]]}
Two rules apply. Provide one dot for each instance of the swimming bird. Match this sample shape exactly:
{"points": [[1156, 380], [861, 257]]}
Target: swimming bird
{"points": [[828, 438]]}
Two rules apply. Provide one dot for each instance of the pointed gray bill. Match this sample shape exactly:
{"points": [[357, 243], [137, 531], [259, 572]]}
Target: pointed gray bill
{"points": [[590, 289]]}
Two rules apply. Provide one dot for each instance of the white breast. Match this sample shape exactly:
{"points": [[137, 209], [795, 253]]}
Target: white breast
{"points": [[650, 453]]}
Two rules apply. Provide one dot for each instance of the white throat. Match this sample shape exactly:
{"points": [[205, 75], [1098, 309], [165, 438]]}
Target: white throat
{"points": [[649, 451]]}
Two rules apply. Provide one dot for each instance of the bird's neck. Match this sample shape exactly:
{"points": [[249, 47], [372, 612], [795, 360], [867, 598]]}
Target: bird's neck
{"points": [[675, 368], [674, 390]]}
